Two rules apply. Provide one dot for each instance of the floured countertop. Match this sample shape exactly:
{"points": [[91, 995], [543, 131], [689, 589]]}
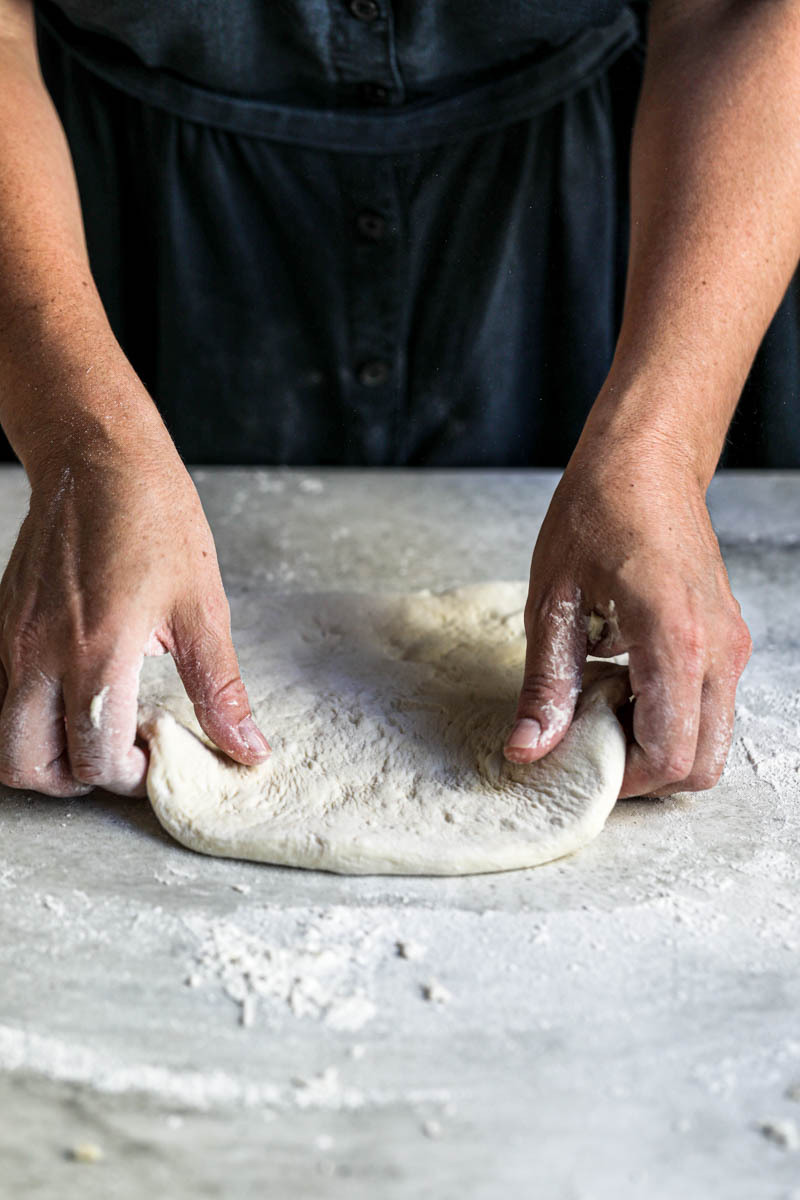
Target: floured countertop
{"points": [[622, 1023]]}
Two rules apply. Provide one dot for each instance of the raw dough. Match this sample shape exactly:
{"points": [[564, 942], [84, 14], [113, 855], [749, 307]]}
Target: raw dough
{"points": [[386, 715]]}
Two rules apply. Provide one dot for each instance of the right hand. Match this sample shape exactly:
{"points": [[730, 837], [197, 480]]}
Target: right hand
{"points": [[628, 537], [115, 560]]}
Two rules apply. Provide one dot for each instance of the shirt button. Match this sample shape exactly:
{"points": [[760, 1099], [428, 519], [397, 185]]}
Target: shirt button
{"points": [[371, 225], [373, 373], [375, 93], [364, 10]]}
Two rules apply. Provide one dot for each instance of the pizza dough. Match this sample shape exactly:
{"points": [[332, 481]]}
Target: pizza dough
{"points": [[387, 716]]}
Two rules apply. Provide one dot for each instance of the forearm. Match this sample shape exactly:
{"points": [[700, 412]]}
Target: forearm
{"points": [[63, 376], [715, 215]]}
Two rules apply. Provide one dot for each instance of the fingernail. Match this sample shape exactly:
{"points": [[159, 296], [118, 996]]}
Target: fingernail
{"points": [[253, 738], [525, 734]]}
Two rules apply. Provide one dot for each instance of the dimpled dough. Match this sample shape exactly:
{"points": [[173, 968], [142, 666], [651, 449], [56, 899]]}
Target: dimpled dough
{"points": [[386, 715]]}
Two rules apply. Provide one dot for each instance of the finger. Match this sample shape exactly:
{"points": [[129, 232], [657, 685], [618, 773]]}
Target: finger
{"points": [[667, 689], [33, 740], [3, 685], [714, 736], [555, 654], [100, 706], [207, 664]]}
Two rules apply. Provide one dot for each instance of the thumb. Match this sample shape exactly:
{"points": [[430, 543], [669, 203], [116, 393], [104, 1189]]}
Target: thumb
{"points": [[207, 664], [554, 659]]}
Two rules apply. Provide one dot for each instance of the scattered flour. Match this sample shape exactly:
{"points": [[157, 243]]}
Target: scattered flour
{"points": [[412, 951], [316, 977], [55, 1059], [325, 1091], [193, 1090], [269, 485], [767, 737], [435, 992], [432, 1129], [85, 1152], [782, 1132]]}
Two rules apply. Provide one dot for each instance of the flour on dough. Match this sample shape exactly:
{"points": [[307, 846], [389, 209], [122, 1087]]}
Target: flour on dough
{"points": [[387, 716]]}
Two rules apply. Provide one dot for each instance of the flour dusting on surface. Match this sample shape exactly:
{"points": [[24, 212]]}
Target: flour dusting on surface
{"points": [[316, 977]]}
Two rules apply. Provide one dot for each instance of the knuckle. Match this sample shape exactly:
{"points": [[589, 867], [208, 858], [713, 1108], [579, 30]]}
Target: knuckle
{"points": [[229, 694], [741, 645], [205, 632], [541, 690], [91, 772], [213, 609], [703, 778], [691, 644], [94, 768], [671, 637], [18, 777], [639, 779], [671, 765]]}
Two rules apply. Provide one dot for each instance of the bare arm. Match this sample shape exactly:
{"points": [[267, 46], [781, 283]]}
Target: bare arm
{"points": [[715, 212], [715, 206], [115, 558], [52, 322]]}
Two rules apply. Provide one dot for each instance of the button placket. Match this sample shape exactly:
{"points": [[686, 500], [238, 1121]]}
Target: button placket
{"points": [[375, 93], [363, 52], [377, 362], [371, 226], [365, 59], [374, 373], [364, 10]]}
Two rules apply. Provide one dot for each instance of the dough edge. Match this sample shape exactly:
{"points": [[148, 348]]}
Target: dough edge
{"points": [[594, 747]]}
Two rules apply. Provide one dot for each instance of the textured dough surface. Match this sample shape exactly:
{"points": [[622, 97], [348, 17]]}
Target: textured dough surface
{"points": [[386, 715]]}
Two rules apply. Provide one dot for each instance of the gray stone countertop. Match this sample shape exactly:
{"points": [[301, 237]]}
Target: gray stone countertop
{"points": [[622, 1023]]}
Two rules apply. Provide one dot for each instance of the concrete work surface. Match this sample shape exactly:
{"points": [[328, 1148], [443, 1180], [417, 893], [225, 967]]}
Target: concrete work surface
{"points": [[622, 1023]]}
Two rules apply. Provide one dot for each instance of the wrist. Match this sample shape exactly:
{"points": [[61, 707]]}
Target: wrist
{"points": [[68, 408], [89, 446], [645, 423]]}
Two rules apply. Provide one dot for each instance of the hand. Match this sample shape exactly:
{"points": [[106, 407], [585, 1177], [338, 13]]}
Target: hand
{"points": [[628, 537], [114, 560]]}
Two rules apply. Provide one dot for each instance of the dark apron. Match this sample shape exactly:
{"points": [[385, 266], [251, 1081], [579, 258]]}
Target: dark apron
{"points": [[366, 272]]}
